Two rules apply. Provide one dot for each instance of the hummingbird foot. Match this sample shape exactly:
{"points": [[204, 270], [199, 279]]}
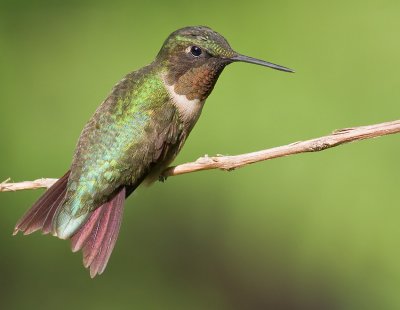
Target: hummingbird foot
{"points": [[162, 178]]}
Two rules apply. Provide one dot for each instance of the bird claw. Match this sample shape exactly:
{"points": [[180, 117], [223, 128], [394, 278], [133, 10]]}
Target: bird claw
{"points": [[162, 178]]}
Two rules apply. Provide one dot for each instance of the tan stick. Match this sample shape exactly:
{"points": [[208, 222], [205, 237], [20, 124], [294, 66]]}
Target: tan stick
{"points": [[228, 163]]}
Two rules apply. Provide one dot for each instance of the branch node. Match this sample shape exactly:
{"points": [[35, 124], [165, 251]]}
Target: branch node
{"points": [[319, 146], [343, 130]]}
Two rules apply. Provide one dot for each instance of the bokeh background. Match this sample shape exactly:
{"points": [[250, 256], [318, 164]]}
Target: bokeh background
{"points": [[313, 231]]}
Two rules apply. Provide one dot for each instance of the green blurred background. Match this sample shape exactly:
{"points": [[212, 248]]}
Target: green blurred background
{"points": [[313, 231]]}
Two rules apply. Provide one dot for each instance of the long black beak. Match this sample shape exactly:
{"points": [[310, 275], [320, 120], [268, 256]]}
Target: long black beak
{"points": [[256, 61]]}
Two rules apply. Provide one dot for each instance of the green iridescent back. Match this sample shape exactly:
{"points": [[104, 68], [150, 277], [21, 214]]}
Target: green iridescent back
{"points": [[118, 146]]}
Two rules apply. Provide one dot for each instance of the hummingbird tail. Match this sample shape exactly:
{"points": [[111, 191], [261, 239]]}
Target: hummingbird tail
{"points": [[98, 235], [40, 215], [96, 238]]}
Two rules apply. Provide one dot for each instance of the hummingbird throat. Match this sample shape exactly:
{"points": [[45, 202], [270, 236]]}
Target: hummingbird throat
{"points": [[189, 90], [189, 109]]}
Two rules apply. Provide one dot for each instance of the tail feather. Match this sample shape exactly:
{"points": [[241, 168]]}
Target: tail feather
{"points": [[99, 263], [94, 242], [48, 222], [97, 237], [78, 240], [41, 214]]}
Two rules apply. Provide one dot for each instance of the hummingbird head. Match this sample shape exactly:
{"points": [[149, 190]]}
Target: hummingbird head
{"points": [[194, 57]]}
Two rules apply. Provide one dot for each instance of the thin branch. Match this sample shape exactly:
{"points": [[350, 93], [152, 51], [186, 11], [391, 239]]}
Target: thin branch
{"points": [[39, 183], [338, 137], [228, 163]]}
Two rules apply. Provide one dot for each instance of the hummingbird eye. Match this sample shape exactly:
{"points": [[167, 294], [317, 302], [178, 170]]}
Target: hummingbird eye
{"points": [[195, 51]]}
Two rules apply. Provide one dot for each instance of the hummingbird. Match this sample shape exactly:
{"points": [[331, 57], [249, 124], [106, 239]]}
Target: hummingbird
{"points": [[134, 134]]}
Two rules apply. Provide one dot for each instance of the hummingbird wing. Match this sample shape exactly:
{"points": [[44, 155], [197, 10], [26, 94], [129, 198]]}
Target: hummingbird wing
{"points": [[133, 130]]}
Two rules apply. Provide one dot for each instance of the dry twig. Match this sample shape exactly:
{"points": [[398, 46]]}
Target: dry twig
{"points": [[228, 163]]}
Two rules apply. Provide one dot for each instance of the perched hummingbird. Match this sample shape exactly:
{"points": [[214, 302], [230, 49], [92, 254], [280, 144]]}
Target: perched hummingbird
{"points": [[132, 137]]}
